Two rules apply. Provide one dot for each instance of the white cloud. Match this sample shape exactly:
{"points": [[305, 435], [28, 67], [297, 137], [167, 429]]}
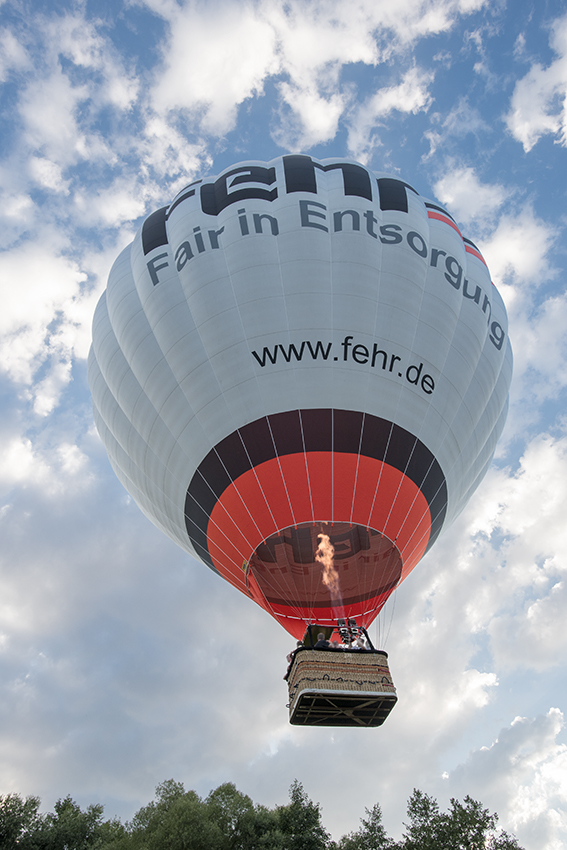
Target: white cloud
{"points": [[212, 63], [60, 103], [72, 459], [517, 251], [468, 199], [112, 205], [78, 40], [524, 773], [538, 105], [311, 117], [411, 95], [521, 601], [51, 463], [540, 346], [13, 55], [47, 108], [47, 392], [166, 149], [461, 120], [39, 288], [19, 463], [48, 174], [17, 211], [219, 56]]}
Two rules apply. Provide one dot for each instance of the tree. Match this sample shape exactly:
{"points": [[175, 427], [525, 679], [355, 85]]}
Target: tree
{"points": [[244, 825], [467, 826], [230, 810], [176, 820], [18, 820], [71, 828], [228, 820], [370, 836], [300, 822], [264, 833]]}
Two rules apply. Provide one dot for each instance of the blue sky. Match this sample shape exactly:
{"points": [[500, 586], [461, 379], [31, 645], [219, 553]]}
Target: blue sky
{"points": [[122, 661]]}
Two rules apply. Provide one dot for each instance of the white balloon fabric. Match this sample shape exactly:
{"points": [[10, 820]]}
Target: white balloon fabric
{"points": [[296, 353]]}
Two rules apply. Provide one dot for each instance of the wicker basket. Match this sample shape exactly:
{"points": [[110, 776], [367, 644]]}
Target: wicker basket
{"points": [[340, 688]]}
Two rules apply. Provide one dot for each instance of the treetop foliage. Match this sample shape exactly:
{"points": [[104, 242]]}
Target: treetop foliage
{"points": [[228, 820]]}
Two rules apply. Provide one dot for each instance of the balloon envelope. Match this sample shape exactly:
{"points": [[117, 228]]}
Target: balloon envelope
{"points": [[300, 370]]}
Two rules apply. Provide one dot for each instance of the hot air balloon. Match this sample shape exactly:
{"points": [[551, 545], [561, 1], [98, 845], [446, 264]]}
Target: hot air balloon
{"points": [[300, 371]]}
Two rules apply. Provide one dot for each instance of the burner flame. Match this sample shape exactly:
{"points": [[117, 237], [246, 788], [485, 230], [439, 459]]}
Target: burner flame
{"points": [[325, 555]]}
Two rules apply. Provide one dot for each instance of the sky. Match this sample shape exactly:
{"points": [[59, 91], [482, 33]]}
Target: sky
{"points": [[124, 662]]}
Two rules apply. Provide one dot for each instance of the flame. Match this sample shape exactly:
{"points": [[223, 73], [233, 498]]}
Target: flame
{"points": [[325, 556]]}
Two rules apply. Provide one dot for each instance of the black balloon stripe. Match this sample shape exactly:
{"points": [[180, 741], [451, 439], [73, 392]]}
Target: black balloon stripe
{"points": [[324, 430]]}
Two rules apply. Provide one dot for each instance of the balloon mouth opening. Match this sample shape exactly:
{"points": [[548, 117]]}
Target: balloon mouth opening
{"points": [[324, 571]]}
